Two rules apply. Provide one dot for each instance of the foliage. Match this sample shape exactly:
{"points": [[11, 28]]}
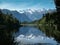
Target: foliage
{"points": [[7, 24], [8, 20], [51, 26]]}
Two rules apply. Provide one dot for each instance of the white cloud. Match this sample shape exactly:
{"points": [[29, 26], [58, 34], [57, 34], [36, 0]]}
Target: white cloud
{"points": [[6, 6], [37, 6], [13, 6]]}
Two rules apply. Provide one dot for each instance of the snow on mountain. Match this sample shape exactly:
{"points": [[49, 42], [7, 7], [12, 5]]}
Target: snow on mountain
{"points": [[33, 14], [28, 14], [20, 16]]}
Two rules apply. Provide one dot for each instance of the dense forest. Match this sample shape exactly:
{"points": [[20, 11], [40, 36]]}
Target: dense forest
{"points": [[6, 20], [50, 25], [8, 25]]}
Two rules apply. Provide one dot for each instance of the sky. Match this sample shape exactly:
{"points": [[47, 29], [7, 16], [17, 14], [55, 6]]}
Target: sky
{"points": [[26, 4]]}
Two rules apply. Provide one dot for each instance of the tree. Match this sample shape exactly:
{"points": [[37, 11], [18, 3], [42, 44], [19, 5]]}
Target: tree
{"points": [[57, 3]]}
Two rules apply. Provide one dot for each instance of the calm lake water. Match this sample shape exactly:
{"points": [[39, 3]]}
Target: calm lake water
{"points": [[28, 35]]}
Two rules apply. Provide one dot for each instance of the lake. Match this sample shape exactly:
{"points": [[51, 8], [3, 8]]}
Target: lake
{"points": [[29, 35]]}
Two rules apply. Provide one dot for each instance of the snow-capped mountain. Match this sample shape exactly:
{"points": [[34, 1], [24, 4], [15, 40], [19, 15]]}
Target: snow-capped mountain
{"points": [[33, 14], [20, 16], [26, 15]]}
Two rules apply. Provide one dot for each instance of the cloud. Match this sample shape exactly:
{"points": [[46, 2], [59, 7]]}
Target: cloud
{"points": [[6, 6], [18, 5], [12, 6], [21, 5]]}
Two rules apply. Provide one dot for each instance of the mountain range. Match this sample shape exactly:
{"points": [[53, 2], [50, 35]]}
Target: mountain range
{"points": [[27, 15]]}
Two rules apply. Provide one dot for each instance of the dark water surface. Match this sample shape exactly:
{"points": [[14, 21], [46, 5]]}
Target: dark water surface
{"points": [[27, 35]]}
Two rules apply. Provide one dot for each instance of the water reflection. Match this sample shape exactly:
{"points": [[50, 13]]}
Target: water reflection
{"points": [[6, 36], [25, 36], [32, 36]]}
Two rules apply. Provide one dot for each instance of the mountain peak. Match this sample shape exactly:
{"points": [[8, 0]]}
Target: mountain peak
{"points": [[27, 15]]}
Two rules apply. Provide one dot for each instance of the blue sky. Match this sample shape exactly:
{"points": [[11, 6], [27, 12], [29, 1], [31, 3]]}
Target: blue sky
{"points": [[26, 4]]}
